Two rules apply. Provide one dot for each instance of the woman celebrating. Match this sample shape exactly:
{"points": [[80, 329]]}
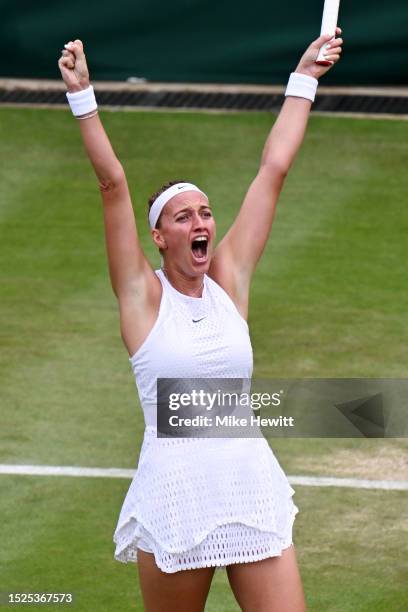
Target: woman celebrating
{"points": [[196, 504]]}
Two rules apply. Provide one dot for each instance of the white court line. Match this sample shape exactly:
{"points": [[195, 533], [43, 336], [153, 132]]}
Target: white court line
{"points": [[355, 483], [65, 470], [309, 481]]}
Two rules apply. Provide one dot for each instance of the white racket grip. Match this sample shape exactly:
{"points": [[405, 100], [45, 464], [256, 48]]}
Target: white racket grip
{"points": [[329, 24]]}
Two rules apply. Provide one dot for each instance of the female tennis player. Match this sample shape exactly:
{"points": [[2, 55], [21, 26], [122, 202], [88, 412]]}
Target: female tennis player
{"points": [[197, 504]]}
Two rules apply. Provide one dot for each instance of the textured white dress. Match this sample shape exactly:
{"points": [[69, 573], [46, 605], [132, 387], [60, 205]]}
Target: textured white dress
{"points": [[200, 502]]}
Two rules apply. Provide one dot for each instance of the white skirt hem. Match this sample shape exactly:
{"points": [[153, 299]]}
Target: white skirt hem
{"points": [[261, 544]]}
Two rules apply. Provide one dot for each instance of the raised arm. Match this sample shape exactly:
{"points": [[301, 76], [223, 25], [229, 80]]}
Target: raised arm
{"points": [[133, 280], [238, 253]]}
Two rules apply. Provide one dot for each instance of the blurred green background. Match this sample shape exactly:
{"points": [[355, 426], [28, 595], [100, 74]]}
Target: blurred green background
{"points": [[229, 41]]}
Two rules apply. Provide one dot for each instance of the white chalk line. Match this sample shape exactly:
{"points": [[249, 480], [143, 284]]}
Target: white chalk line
{"points": [[354, 483], [308, 481]]}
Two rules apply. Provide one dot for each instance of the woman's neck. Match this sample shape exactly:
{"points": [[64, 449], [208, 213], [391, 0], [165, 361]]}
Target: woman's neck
{"points": [[193, 287]]}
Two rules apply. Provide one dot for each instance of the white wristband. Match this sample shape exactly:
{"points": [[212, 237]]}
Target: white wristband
{"points": [[82, 102], [302, 86]]}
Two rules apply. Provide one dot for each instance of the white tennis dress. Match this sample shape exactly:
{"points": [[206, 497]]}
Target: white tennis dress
{"points": [[201, 502]]}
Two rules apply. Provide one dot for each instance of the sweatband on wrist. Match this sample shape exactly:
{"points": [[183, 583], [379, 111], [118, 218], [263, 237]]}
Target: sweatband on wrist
{"points": [[82, 102], [302, 86], [161, 201]]}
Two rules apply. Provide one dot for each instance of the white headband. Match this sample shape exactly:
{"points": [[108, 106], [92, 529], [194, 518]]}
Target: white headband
{"points": [[161, 201]]}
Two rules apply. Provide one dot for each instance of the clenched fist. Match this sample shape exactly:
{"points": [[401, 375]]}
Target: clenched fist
{"points": [[73, 67]]}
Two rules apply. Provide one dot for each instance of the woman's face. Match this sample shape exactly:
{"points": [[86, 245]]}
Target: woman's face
{"points": [[187, 233]]}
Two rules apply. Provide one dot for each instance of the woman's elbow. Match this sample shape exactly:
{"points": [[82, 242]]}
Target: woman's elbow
{"points": [[276, 168], [113, 181]]}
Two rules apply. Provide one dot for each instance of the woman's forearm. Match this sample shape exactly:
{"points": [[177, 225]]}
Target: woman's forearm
{"points": [[74, 71], [287, 134], [107, 167]]}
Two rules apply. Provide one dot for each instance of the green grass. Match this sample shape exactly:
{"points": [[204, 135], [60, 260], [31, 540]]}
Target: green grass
{"points": [[56, 537], [328, 299]]}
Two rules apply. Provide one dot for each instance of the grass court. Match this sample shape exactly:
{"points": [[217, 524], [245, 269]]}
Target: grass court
{"points": [[329, 299]]}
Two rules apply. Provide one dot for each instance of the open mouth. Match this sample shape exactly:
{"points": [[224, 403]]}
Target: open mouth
{"points": [[199, 248]]}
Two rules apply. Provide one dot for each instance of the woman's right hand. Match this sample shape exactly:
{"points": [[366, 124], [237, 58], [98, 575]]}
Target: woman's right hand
{"points": [[73, 67]]}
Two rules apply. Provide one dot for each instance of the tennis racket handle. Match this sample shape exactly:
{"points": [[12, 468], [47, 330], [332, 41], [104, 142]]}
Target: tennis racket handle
{"points": [[329, 24]]}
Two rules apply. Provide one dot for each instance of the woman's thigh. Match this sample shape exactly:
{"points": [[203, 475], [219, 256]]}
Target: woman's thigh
{"points": [[271, 585], [184, 591]]}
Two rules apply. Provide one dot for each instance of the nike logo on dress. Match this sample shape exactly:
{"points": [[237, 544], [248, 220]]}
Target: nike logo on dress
{"points": [[197, 320]]}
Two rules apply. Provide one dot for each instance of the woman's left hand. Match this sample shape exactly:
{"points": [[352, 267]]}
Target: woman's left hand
{"points": [[307, 64]]}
